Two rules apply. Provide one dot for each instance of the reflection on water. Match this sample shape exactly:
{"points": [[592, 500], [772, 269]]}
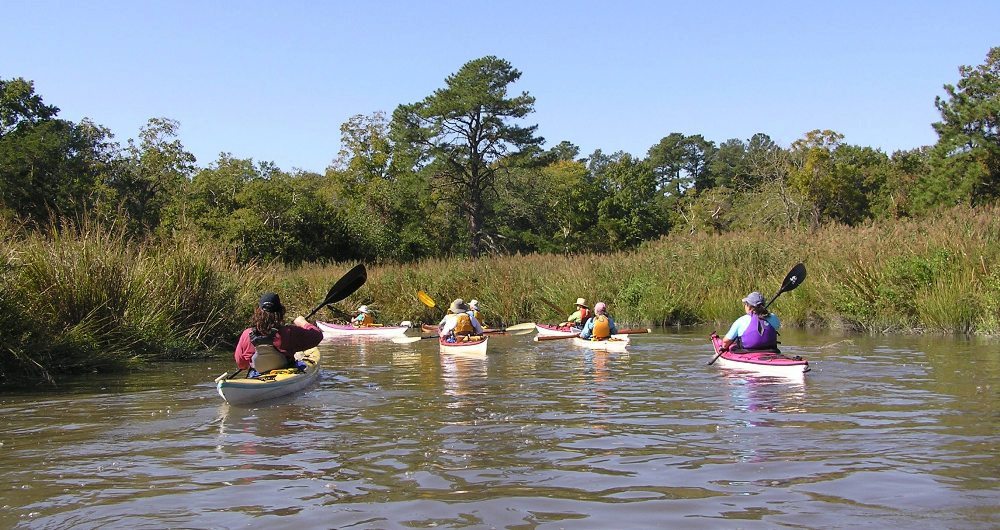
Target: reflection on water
{"points": [[883, 432]]}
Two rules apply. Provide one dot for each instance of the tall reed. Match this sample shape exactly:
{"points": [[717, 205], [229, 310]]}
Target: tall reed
{"points": [[79, 298]]}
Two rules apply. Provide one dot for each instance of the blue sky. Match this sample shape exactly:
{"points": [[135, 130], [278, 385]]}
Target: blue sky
{"points": [[274, 81]]}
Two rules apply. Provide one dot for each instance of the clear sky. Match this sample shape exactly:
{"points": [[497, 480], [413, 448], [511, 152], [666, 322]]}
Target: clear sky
{"points": [[274, 81]]}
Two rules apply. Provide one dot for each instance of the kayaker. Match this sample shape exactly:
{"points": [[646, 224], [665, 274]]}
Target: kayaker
{"points": [[579, 317], [474, 311], [756, 330], [364, 318], [459, 322], [269, 343], [601, 326]]}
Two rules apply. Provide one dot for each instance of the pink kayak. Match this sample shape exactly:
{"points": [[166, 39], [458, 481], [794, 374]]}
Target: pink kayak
{"points": [[547, 330], [762, 362], [341, 330]]}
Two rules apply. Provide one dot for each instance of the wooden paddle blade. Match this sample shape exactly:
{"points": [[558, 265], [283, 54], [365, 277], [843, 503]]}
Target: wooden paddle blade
{"points": [[519, 327], [523, 332], [425, 299], [405, 340], [540, 338]]}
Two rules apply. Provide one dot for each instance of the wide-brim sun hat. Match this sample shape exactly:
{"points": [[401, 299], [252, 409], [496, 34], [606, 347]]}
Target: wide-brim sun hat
{"points": [[363, 309], [474, 304], [458, 306], [582, 302]]}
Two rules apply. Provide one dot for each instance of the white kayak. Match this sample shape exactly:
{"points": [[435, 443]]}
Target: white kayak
{"points": [[471, 347], [614, 343], [276, 383], [342, 330]]}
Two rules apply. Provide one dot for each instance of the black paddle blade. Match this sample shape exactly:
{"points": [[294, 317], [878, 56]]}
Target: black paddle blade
{"points": [[345, 286], [794, 278], [350, 282]]}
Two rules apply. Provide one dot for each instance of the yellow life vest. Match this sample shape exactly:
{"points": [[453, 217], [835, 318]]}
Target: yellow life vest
{"points": [[463, 324], [602, 327], [478, 318]]}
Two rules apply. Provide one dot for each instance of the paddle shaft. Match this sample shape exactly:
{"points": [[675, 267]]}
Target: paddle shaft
{"points": [[551, 306]]}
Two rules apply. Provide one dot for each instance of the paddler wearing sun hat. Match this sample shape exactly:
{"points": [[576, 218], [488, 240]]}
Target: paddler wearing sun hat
{"points": [[579, 317]]}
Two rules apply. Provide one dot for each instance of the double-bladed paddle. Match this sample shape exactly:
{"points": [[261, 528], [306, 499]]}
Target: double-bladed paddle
{"points": [[793, 279]]}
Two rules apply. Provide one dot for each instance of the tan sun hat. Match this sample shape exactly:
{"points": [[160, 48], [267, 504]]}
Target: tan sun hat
{"points": [[582, 302], [458, 306]]}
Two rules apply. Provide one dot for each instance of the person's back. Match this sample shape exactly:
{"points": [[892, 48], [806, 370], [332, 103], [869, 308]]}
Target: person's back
{"points": [[601, 326], [270, 344], [756, 330], [364, 318]]}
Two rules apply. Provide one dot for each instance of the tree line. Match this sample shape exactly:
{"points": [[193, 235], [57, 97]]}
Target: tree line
{"points": [[461, 173]]}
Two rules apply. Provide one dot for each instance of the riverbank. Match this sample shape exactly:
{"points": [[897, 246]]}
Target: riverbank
{"points": [[81, 299]]}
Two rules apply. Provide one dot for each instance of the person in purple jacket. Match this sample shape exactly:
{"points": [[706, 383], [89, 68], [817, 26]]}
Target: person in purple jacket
{"points": [[756, 330], [269, 343]]}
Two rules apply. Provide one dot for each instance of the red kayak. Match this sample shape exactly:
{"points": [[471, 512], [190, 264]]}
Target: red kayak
{"points": [[763, 362]]}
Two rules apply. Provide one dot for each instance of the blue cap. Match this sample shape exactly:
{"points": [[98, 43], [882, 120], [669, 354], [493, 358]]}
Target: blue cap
{"points": [[754, 299]]}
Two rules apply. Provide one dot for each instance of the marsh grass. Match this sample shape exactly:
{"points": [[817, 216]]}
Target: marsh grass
{"points": [[77, 299], [927, 275]]}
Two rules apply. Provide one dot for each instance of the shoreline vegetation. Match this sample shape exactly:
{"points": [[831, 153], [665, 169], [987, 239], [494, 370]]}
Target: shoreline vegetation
{"points": [[77, 298]]}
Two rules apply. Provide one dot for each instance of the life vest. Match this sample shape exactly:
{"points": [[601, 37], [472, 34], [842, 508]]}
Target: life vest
{"points": [[476, 314], [463, 325], [759, 335], [602, 327], [266, 357], [366, 321]]}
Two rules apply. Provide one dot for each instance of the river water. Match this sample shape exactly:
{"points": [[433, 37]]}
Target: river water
{"points": [[883, 432]]}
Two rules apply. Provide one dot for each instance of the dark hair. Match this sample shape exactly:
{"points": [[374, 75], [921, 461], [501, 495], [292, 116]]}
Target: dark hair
{"points": [[264, 322], [760, 310]]}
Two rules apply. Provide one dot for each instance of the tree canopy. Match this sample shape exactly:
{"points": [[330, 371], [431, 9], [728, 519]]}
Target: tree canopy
{"points": [[460, 173]]}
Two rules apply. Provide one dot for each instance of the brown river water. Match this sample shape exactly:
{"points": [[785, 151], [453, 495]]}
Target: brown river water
{"points": [[885, 432]]}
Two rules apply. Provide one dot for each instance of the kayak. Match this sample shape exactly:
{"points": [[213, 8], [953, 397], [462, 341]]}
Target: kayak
{"points": [[431, 328], [475, 346], [762, 362], [276, 383], [341, 330], [547, 330], [615, 343]]}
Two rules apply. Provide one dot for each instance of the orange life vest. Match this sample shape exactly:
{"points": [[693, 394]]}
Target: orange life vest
{"points": [[602, 327], [366, 321], [463, 324]]}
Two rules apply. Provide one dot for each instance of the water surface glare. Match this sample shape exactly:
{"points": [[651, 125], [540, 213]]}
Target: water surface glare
{"points": [[884, 432]]}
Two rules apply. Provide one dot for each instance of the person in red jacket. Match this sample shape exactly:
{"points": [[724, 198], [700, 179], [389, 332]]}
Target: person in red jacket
{"points": [[269, 343]]}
